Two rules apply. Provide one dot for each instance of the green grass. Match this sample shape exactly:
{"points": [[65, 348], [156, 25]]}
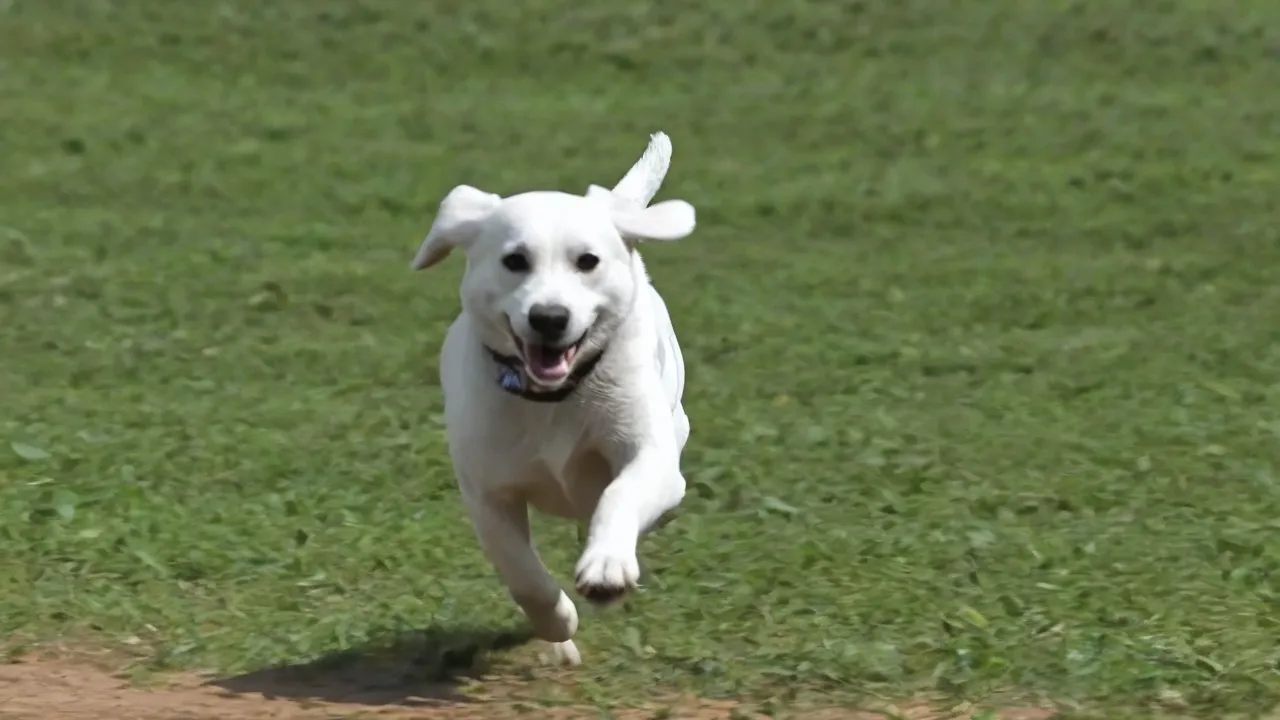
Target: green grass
{"points": [[982, 323]]}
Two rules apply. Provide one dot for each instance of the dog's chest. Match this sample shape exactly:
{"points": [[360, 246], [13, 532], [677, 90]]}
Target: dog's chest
{"points": [[559, 471], [526, 441], [553, 445]]}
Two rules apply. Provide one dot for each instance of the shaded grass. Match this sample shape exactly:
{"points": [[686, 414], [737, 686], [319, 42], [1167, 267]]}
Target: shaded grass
{"points": [[981, 323]]}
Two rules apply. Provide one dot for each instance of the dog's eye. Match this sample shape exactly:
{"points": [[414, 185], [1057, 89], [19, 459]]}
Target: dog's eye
{"points": [[587, 262], [515, 262]]}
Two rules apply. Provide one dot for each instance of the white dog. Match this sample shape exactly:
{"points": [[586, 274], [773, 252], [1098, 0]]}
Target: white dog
{"points": [[563, 379]]}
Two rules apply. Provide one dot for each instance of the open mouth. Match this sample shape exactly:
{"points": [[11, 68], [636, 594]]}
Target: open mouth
{"points": [[547, 363]]}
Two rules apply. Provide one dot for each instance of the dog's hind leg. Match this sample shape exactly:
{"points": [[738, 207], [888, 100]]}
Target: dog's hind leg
{"points": [[682, 430], [682, 437], [502, 526]]}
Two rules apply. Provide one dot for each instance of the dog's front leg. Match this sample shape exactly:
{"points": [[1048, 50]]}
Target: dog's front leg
{"points": [[502, 526], [648, 486]]}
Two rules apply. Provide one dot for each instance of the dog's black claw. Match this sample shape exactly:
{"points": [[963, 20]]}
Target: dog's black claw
{"points": [[602, 594]]}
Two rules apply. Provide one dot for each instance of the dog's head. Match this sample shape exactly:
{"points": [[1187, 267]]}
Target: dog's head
{"points": [[550, 275]]}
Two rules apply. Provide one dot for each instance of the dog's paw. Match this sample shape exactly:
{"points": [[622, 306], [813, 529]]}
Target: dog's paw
{"points": [[605, 576], [562, 653], [555, 624]]}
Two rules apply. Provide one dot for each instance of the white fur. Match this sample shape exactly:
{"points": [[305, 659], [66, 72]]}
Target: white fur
{"points": [[608, 456]]}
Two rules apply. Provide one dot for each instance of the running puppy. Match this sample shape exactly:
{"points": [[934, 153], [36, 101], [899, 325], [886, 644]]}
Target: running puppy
{"points": [[563, 379]]}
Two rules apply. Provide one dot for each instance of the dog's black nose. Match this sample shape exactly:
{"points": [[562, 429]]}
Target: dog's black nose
{"points": [[549, 321]]}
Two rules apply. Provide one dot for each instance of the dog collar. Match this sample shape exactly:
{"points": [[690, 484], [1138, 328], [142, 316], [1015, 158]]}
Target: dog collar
{"points": [[511, 377]]}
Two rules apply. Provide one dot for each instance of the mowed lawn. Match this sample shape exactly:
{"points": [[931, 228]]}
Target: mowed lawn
{"points": [[982, 325]]}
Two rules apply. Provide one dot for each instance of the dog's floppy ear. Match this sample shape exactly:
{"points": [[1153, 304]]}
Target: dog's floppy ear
{"points": [[456, 223], [667, 220]]}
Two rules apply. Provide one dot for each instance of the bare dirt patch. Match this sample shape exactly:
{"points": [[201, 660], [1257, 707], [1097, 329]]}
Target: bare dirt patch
{"points": [[57, 689]]}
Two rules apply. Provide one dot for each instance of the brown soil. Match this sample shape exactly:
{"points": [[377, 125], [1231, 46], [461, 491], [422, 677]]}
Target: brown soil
{"points": [[60, 689]]}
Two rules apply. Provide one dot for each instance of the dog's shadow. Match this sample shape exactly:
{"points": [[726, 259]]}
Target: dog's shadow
{"points": [[419, 668]]}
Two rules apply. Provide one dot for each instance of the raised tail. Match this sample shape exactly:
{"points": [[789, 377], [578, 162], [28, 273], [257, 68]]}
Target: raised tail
{"points": [[644, 178]]}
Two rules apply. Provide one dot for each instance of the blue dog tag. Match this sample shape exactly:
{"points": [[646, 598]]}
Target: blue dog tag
{"points": [[510, 380]]}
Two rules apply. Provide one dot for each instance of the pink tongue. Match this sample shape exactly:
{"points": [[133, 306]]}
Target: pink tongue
{"points": [[546, 363]]}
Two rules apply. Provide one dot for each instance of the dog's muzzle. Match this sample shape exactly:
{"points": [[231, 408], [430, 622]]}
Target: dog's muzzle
{"points": [[513, 378]]}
